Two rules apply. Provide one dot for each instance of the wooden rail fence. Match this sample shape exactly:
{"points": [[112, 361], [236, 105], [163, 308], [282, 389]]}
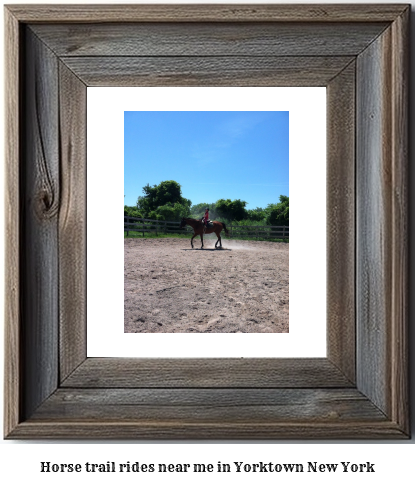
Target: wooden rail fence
{"points": [[259, 231], [134, 224]]}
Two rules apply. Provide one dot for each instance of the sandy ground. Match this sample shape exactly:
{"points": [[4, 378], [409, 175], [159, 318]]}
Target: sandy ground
{"points": [[170, 287]]}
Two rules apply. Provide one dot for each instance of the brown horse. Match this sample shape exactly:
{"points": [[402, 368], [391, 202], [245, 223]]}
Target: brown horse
{"points": [[198, 229]]}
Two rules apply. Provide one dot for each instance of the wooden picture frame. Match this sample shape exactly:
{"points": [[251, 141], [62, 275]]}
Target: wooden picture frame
{"points": [[360, 53]]}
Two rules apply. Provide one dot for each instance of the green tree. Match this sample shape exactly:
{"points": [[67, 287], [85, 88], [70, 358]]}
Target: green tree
{"points": [[173, 212], [153, 215], [232, 209], [256, 215], [278, 214], [181, 209], [165, 193], [131, 212], [166, 212]]}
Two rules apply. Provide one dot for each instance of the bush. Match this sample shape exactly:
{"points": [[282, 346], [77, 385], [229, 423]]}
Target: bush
{"points": [[232, 209], [278, 214], [131, 212]]}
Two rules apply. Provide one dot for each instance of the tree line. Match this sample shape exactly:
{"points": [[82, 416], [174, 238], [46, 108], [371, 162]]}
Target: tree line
{"points": [[165, 202]]}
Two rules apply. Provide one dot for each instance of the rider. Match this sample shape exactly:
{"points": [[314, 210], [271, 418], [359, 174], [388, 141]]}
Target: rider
{"points": [[206, 218]]}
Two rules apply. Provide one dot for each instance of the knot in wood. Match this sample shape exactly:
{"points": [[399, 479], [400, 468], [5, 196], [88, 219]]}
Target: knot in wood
{"points": [[46, 206]]}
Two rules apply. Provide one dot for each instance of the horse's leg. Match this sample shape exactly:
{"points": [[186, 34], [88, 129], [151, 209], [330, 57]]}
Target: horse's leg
{"points": [[217, 240], [201, 238], [191, 240]]}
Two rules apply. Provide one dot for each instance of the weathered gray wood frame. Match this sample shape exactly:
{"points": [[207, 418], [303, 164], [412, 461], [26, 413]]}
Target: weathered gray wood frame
{"points": [[359, 52]]}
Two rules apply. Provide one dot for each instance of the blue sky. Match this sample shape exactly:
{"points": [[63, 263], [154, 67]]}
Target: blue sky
{"points": [[212, 155]]}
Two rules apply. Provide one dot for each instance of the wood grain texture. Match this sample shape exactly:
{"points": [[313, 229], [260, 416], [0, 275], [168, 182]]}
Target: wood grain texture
{"points": [[181, 39], [207, 71], [209, 405], [374, 218], [13, 381], [72, 222], [382, 223], [188, 430], [206, 373], [206, 13], [399, 225], [341, 237], [40, 204]]}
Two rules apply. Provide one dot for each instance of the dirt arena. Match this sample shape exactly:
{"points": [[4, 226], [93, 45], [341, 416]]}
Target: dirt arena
{"points": [[170, 287]]}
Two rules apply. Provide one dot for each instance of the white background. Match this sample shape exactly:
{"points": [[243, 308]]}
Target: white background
{"points": [[105, 176], [20, 461]]}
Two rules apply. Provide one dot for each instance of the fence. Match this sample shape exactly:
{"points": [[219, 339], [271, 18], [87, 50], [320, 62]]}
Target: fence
{"points": [[133, 224], [259, 231]]}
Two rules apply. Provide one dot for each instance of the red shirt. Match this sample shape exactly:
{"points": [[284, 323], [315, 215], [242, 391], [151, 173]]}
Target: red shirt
{"points": [[206, 215]]}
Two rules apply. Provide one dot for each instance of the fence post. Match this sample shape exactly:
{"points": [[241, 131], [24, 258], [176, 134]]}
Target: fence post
{"points": [[128, 225], [283, 231]]}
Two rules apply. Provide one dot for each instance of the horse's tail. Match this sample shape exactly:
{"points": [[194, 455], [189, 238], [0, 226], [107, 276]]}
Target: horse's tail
{"points": [[226, 230]]}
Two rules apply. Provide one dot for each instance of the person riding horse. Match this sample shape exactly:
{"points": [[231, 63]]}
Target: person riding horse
{"points": [[199, 229], [205, 219]]}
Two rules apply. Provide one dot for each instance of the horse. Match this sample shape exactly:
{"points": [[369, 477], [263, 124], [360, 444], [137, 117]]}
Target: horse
{"points": [[198, 229]]}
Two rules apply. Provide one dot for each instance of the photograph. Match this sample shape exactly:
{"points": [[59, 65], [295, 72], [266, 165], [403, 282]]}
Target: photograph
{"points": [[206, 221]]}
